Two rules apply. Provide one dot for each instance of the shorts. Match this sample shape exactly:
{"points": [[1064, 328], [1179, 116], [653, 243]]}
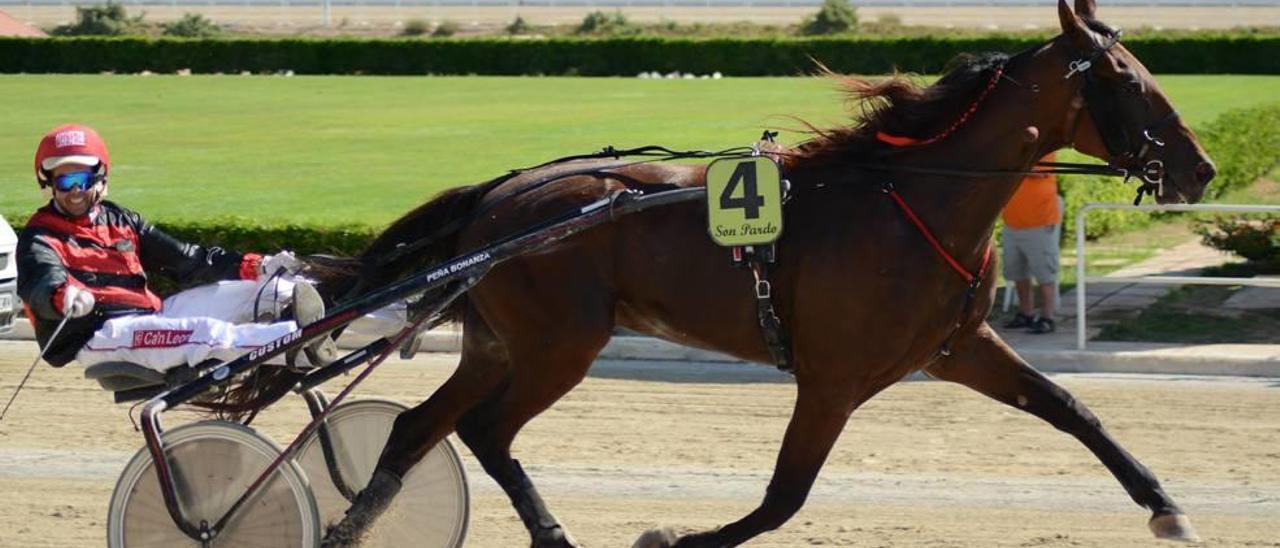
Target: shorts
{"points": [[1031, 253]]}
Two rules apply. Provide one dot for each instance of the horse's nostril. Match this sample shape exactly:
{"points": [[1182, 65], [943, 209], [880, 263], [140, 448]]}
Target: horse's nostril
{"points": [[1205, 172]]}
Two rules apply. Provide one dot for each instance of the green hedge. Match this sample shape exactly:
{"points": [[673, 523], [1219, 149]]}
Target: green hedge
{"points": [[1197, 54], [244, 234], [1243, 143], [1257, 239]]}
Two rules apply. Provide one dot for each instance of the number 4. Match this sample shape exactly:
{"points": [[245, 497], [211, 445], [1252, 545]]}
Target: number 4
{"points": [[751, 200]]}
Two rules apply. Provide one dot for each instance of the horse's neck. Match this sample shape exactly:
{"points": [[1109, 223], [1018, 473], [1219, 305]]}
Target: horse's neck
{"points": [[962, 210]]}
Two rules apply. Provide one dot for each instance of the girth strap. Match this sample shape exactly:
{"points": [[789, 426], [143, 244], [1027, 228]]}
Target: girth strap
{"points": [[775, 337], [974, 279], [969, 277]]}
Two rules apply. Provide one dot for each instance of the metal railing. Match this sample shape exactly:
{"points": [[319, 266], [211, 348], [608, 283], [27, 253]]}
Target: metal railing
{"points": [[1082, 280]]}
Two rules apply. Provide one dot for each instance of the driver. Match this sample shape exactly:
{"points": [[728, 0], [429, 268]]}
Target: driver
{"points": [[84, 260]]}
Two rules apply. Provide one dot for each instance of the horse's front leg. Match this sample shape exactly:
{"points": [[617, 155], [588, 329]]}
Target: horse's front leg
{"points": [[983, 362], [821, 411]]}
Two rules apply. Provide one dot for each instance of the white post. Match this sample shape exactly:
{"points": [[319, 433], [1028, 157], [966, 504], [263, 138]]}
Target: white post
{"points": [[1081, 296], [325, 12]]}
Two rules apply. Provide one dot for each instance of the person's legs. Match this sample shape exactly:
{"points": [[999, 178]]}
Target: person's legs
{"points": [[235, 301], [1014, 267], [383, 322], [245, 301], [162, 343], [1048, 299], [1043, 253], [1026, 304]]}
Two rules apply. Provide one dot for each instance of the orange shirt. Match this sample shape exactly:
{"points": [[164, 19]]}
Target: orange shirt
{"points": [[1035, 204]]}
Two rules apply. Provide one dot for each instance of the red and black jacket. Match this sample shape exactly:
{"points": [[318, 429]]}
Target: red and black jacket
{"points": [[108, 252]]}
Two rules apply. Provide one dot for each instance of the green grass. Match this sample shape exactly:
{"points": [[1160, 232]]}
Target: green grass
{"points": [[366, 149]]}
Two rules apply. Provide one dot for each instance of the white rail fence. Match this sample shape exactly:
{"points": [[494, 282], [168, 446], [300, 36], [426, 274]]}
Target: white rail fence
{"points": [[1082, 281]]}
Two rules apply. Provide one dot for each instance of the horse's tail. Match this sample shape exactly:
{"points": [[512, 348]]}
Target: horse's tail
{"points": [[425, 236]]}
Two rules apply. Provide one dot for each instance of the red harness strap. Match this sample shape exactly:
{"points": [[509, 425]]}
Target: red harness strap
{"points": [[971, 278], [902, 141]]}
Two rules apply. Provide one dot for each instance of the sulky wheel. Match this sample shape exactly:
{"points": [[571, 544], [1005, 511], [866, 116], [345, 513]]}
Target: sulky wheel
{"points": [[431, 509], [213, 463]]}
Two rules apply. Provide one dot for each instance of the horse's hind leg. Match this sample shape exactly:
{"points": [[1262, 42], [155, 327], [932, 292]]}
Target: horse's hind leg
{"points": [[985, 363], [480, 372], [540, 377]]}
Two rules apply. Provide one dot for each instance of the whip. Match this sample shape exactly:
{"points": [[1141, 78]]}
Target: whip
{"points": [[33, 365]]}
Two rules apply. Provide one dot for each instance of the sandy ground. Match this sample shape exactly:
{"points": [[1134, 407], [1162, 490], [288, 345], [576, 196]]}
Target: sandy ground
{"points": [[362, 19], [926, 464]]}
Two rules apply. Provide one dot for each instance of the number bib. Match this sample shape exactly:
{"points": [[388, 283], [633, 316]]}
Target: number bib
{"points": [[744, 201]]}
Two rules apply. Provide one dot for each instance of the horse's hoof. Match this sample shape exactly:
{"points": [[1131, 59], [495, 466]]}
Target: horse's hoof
{"points": [[338, 536], [553, 537], [1173, 527], [330, 542], [656, 538]]}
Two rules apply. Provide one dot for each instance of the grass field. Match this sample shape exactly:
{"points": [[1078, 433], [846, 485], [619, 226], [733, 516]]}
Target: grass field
{"points": [[330, 149]]}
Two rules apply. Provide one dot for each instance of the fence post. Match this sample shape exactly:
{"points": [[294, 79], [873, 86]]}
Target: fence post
{"points": [[1081, 296]]}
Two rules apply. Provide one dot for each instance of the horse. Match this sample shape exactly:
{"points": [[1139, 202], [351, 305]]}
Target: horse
{"points": [[865, 297]]}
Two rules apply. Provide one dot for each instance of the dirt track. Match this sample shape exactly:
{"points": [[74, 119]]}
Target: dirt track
{"points": [[926, 464]]}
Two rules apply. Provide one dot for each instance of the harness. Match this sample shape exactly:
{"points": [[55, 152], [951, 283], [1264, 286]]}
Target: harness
{"points": [[1125, 148], [758, 259], [1128, 154]]}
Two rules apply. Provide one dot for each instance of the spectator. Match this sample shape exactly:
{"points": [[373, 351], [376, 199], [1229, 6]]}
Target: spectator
{"points": [[1031, 250]]}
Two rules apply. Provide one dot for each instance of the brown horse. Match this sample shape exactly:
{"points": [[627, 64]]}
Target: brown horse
{"points": [[866, 300]]}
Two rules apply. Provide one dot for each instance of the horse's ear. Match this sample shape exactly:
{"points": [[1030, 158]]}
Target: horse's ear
{"points": [[1072, 26], [1087, 9]]}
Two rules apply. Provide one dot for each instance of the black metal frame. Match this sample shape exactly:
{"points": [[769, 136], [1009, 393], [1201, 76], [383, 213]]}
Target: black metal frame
{"points": [[464, 271]]}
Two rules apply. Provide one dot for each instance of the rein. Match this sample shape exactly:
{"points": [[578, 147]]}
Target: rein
{"points": [[656, 152]]}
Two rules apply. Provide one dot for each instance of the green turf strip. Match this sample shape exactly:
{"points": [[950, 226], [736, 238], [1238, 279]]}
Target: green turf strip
{"points": [[366, 149]]}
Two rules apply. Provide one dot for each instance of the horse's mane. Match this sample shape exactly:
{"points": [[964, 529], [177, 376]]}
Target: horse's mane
{"points": [[898, 105], [1099, 27]]}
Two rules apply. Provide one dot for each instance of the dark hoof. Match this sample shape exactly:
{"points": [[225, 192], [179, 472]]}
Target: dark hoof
{"points": [[340, 536], [656, 538], [369, 504], [706, 539], [553, 537], [1173, 527]]}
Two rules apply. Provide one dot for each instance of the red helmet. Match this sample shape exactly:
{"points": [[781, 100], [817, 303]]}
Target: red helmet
{"points": [[70, 143]]}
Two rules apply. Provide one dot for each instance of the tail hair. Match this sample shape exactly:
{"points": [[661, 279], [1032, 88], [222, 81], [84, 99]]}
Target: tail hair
{"points": [[431, 231]]}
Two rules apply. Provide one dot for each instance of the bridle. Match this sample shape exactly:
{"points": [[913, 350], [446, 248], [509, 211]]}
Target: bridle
{"points": [[1128, 151]]}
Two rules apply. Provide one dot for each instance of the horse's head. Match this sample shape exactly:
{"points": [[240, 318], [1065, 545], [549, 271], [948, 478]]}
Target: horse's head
{"points": [[1119, 114]]}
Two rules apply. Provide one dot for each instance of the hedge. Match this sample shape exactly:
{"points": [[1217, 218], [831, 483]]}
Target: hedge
{"points": [[245, 234], [1195, 54], [1244, 144], [1257, 240]]}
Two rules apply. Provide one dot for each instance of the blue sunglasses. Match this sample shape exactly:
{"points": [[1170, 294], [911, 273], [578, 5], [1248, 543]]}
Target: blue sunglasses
{"points": [[83, 180]]}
